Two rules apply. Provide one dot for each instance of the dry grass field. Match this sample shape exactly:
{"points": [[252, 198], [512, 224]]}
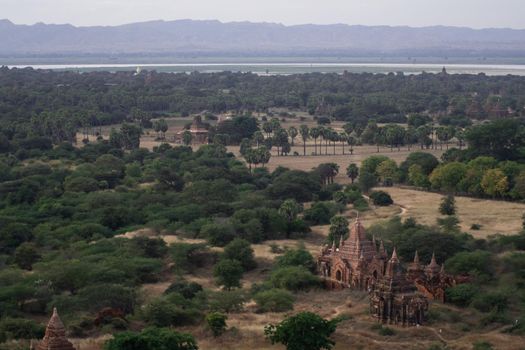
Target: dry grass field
{"points": [[493, 216]]}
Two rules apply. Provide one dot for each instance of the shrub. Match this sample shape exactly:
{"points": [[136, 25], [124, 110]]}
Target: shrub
{"points": [[216, 323], [152, 339], [228, 273], [386, 331], [15, 328], [381, 198], [461, 294], [361, 204], [490, 301], [297, 257], [482, 345], [293, 278], [477, 263], [163, 313], [226, 301], [240, 250], [187, 289], [305, 330], [274, 300], [320, 213]]}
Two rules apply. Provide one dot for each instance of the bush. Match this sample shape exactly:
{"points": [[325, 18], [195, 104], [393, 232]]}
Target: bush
{"points": [[386, 331], [228, 273], [493, 301], [361, 204], [187, 289], [297, 257], [274, 300], [461, 294], [477, 263], [163, 313], [152, 339], [381, 198], [240, 250], [16, 328], [293, 278], [226, 301], [482, 345], [216, 323], [320, 213]]}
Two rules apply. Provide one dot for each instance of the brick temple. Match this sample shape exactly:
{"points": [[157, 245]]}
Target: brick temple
{"points": [[397, 295], [55, 337]]}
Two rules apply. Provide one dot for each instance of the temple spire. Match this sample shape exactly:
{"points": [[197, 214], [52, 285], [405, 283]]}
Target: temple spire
{"points": [[394, 255], [55, 336], [382, 250], [416, 258], [433, 260]]}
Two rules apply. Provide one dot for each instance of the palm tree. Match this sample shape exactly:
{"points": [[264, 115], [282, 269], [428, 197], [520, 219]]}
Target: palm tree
{"points": [[351, 142], [352, 171], [292, 131], [258, 137], [305, 133], [342, 138], [315, 132]]}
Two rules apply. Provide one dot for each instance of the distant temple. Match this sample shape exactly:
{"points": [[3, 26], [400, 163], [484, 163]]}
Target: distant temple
{"points": [[396, 295], [55, 337], [198, 131], [396, 300]]}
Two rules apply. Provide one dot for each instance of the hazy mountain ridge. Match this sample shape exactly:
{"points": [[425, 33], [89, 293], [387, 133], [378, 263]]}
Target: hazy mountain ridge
{"points": [[246, 37]]}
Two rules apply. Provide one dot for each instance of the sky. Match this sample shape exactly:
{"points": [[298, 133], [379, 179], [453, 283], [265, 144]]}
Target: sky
{"points": [[415, 13]]}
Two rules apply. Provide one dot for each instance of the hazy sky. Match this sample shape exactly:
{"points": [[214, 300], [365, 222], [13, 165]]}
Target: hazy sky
{"points": [[471, 13]]}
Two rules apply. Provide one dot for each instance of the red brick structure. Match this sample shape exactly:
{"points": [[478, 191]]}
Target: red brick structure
{"points": [[430, 280], [198, 131], [355, 264], [55, 337], [396, 296], [395, 300]]}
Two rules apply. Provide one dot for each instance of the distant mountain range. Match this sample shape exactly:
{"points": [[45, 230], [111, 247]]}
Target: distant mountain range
{"points": [[183, 37]]}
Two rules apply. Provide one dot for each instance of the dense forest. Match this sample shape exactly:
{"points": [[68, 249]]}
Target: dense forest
{"points": [[54, 104]]}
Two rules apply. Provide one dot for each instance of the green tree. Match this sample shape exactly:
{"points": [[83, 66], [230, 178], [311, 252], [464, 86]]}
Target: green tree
{"points": [[274, 300], [387, 172], [240, 250], [216, 323], [367, 180], [187, 138], [292, 131], [228, 273], [297, 257], [417, 177], [304, 331], [315, 133], [290, 209], [448, 205], [494, 183], [338, 229], [26, 255], [352, 171], [152, 339], [130, 136], [448, 177], [305, 134]]}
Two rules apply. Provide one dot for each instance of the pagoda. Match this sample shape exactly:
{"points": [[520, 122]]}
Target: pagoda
{"points": [[55, 337]]}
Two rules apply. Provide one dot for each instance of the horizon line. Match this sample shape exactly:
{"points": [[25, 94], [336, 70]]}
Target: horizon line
{"points": [[261, 22]]}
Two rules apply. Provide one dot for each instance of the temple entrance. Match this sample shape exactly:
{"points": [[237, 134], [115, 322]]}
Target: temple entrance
{"points": [[338, 275]]}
